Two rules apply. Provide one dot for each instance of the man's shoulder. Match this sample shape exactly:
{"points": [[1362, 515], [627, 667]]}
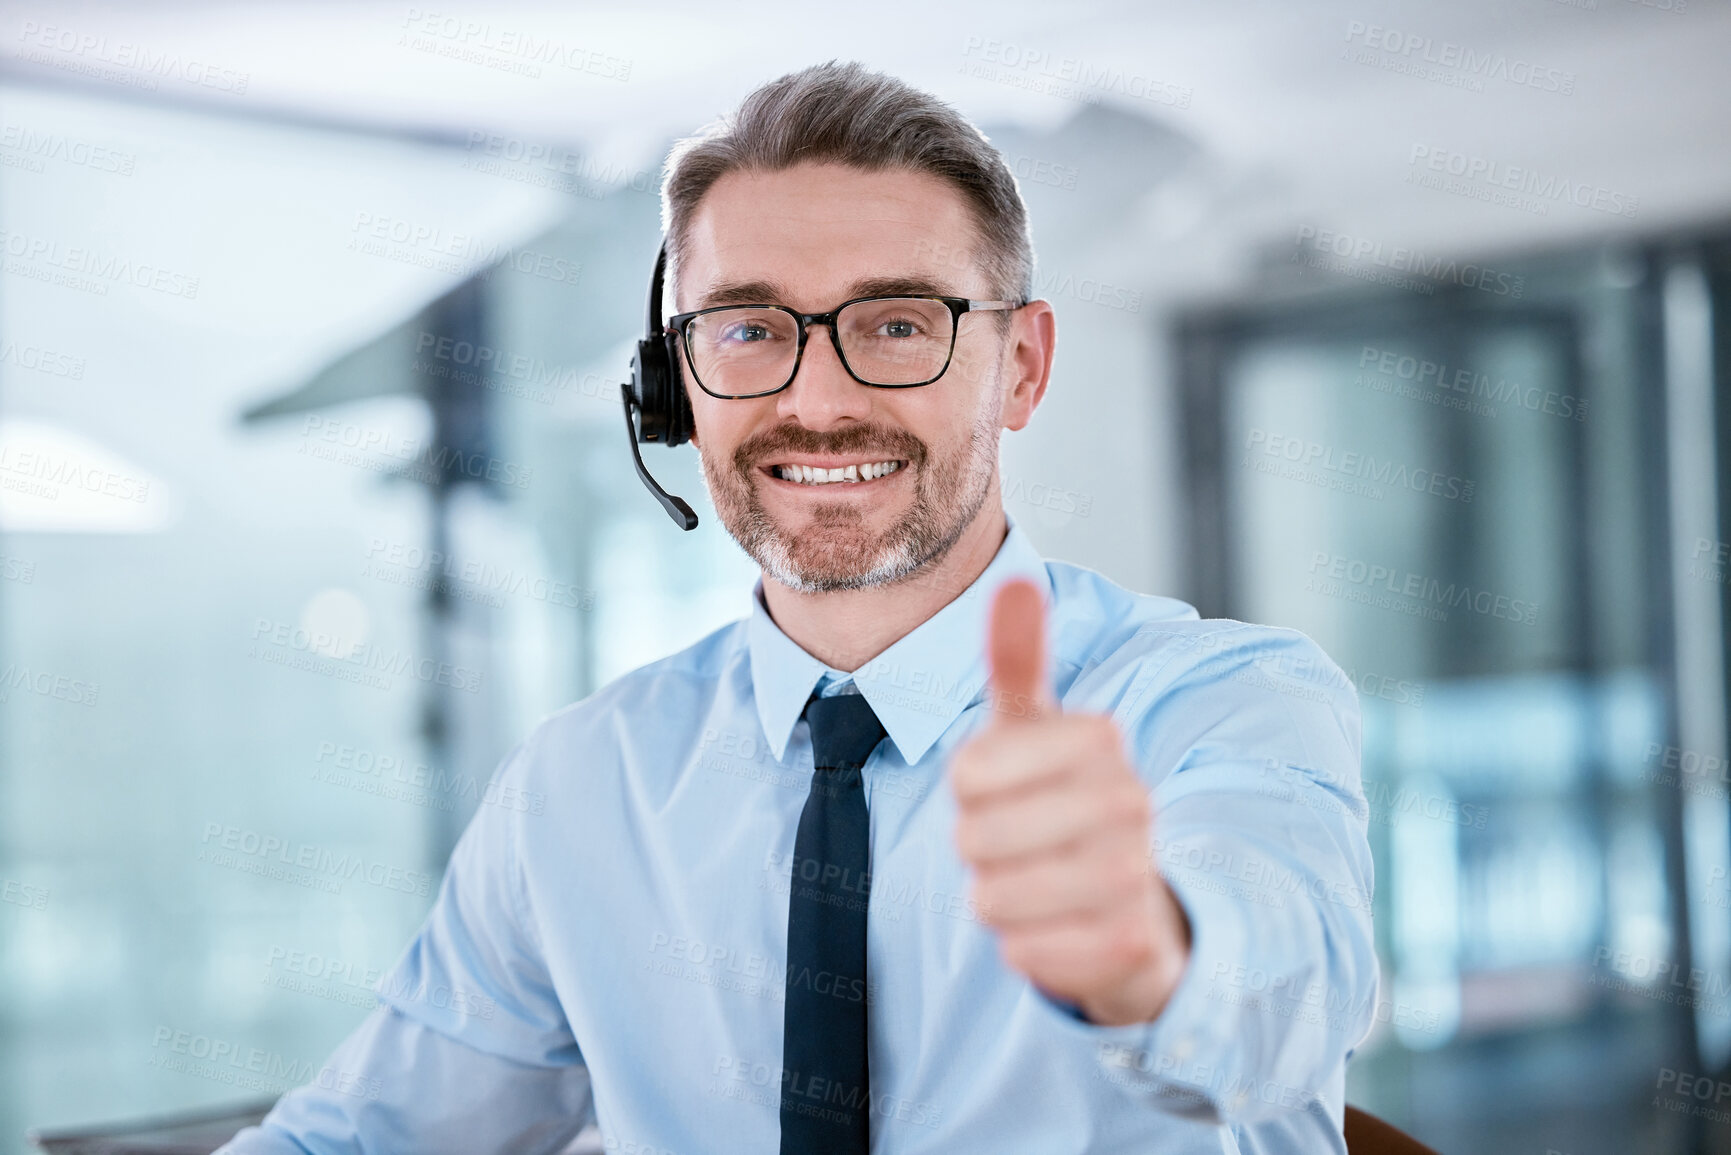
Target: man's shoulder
{"points": [[1093, 612], [669, 684], [1102, 624]]}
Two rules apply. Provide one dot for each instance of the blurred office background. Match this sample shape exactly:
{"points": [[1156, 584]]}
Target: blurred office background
{"points": [[1404, 324]]}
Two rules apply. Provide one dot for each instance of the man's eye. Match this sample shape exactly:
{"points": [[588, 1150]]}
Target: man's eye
{"points": [[900, 328], [746, 332]]}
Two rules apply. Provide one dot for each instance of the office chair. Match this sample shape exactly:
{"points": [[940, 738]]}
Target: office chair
{"points": [[1368, 1135]]}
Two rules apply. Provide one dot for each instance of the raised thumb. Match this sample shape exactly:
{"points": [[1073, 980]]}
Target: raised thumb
{"points": [[1016, 652]]}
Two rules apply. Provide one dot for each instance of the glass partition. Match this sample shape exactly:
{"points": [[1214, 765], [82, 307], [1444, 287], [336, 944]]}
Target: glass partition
{"points": [[1452, 492]]}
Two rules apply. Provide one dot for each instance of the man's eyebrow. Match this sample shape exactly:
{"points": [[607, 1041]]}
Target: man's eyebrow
{"points": [[900, 287], [762, 292], [743, 293]]}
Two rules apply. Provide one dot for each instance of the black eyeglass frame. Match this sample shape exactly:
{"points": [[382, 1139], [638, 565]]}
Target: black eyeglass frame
{"points": [[679, 323]]}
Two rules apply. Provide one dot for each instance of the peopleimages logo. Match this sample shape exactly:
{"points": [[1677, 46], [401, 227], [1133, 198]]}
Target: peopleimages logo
{"points": [[392, 776], [1688, 761], [88, 270], [1678, 1089], [43, 474], [122, 61], [350, 659], [35, 147], [768, 1086], [342, 981], [46, 683], [577, 169], [1364, 251], [474, 579], [473, 363], [42, 360], [19, 894], [304, 863], [1410, 47], [1493, 180], [1066, 76], [461, 254], [505, 48], [1337, 468], [1427, 597], [1480, 386], [346, 443]]}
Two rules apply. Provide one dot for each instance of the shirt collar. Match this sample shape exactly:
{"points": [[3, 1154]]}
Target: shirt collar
{"points": [[920, 684]]}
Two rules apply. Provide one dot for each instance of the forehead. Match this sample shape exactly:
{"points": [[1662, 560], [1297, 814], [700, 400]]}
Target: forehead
{"points": [[818, 229]]}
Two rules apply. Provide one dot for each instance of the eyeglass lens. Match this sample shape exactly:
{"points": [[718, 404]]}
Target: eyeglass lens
{"points": [[752, 348]]}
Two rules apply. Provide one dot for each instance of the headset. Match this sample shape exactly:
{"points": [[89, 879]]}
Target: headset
{"points": [[656, 393]]}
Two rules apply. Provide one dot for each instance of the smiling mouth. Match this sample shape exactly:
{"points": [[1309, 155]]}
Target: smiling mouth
{"points": [[841, 475]]}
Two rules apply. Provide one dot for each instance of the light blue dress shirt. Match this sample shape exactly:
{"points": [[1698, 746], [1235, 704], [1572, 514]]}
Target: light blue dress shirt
{"points": [[616, 951]]}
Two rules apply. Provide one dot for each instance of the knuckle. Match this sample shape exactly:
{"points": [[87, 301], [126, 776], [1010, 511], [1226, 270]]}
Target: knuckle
{"points": [[967, 839], [1103, 732], [1129, 943], [984, 892], [1129, 874], [1122, 804]]}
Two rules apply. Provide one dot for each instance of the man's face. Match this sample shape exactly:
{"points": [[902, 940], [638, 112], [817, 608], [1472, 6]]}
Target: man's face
{"points": [[811, 237]]}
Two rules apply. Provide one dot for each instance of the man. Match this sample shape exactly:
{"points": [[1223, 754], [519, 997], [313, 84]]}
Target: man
{"points": [[944, 847]]}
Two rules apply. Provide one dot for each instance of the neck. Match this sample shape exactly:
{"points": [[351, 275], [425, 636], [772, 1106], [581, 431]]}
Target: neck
{"points": [[845, 629]]}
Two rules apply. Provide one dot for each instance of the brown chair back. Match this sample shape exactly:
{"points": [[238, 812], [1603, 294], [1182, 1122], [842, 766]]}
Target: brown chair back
{"points": [[1368, 1135]]}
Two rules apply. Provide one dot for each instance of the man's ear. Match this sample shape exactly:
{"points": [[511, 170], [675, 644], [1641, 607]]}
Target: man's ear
{"points": [[1033, 340]]}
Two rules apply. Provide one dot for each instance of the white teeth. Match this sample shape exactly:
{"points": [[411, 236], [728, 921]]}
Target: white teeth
{"points": [[808, 475]]}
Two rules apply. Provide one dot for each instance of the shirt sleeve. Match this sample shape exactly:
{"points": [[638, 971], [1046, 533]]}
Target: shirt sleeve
{"points": [[1250, 740], [470, 1050]]}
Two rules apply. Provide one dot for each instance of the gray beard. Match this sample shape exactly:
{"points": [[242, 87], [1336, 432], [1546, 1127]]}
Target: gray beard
{"points": [[830, 551]]}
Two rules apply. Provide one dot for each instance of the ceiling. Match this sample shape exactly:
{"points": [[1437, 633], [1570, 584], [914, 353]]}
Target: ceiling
{"points": [[1292, 125]]}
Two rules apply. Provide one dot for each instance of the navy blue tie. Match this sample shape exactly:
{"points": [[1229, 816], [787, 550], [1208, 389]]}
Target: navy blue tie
{"points": [[826, 1086]]}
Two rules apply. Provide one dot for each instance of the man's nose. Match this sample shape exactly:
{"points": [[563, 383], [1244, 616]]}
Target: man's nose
{"points": [[821, 393]]}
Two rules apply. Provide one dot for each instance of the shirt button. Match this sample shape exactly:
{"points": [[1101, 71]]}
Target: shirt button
{"points": [[1182, 1048]]}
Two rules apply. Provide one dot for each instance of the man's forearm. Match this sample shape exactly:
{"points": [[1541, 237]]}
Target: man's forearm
{"points": [[397, 1084]]}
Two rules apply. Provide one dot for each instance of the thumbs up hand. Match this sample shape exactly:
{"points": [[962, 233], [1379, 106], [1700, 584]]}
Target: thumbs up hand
{"points": [[1053, 821]]}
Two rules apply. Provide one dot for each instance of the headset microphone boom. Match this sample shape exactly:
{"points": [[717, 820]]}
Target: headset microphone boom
{"points": [[656, 394]]}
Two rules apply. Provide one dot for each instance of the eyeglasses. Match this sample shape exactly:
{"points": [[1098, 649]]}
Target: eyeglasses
{"points": [[740, 351]]}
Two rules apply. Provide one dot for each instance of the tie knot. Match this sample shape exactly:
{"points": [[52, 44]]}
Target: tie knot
{"points": [[844, 731]]}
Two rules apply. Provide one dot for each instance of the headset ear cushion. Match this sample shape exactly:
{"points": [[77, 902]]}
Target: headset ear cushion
{"points": [[680, 420], [648, 385]]}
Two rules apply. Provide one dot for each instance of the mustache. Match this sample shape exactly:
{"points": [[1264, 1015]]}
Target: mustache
{"points": [[878, 442]]}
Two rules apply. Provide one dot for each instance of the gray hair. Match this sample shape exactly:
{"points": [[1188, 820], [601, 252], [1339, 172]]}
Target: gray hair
{"points": [[845, 114]]}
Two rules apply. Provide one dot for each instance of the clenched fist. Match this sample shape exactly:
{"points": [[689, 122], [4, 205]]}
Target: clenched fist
{"points": [[1054, 822]]}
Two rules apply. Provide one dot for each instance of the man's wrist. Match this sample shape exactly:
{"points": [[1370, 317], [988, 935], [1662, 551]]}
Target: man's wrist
{"points": [[1146, 994], [1141, 1000]]}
